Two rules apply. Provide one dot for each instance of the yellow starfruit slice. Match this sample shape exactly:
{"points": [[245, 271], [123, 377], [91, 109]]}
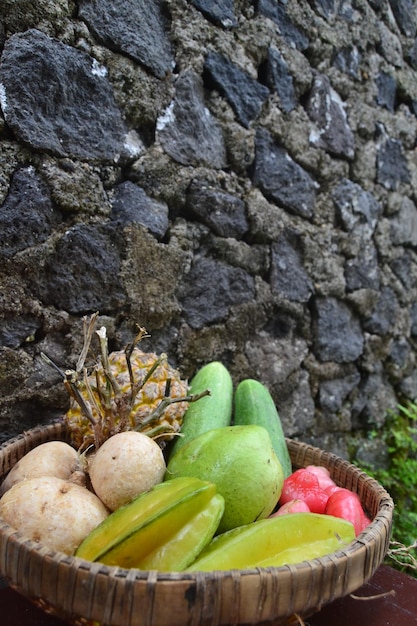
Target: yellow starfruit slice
{"points": [[164, 528], [275, 541]]}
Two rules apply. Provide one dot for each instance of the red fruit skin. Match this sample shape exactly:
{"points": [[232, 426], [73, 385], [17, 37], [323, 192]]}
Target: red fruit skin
{"points": [[323, 475], [303, 485], [347, 505], [293, 506], [331, 489]]}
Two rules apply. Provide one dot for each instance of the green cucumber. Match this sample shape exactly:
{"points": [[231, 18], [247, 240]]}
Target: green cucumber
{"points": [[253, 404], [213, 411]]}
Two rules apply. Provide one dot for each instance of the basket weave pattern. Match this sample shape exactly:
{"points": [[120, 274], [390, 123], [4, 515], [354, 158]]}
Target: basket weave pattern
{"points": [[85, 593]]}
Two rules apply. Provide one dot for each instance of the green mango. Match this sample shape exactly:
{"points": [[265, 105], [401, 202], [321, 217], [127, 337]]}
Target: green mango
{"points": [[241, 462]]}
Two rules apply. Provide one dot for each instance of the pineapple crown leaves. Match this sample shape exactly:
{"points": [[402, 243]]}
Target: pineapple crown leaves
{"points": [[105, 399]]}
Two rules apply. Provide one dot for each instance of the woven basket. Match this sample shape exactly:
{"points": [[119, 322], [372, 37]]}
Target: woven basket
{"points": [[86, 593]]}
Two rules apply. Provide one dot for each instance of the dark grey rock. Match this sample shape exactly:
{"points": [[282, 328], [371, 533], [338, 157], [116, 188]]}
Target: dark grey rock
{"points": [[326, 8], [274, 168], [408, 385], [60, 100], [222, 212], [218, 11], [347, 11], [211, 288], [338, 333], [16, 331], [402, 268], [389, 45], [373, 453], [187, 131], [412, 55], [403, 225], [278, 78], [296, 405], [384, 314], [325, 108], [330, 441], [275, 11], [288, 275], [392, 169], [138, 28], [348, 60], [404, 14], [387, 91], [82, 274], [362, 271], [132, 204], [27, 215], [377, 5], [332, 393], [400, 352], [275, 356], [413, 318], [376, 398], [244, 94], [33, 388], [333, 9], [358, 212], [357, 208]]}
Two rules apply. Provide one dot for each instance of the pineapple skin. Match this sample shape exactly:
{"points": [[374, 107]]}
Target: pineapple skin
{"points": [[146, 401]]}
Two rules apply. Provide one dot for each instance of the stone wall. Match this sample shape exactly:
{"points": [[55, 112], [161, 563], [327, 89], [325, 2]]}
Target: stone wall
{"points": [[238, 177]]}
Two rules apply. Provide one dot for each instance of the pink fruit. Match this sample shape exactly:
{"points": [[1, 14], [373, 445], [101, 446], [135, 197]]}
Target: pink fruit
{"points": [[293, 506], [346, 504], [323, 475], [303, 485]]}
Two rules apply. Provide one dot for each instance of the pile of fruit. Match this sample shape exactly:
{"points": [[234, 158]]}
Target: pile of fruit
{"points": [[174, 477]]}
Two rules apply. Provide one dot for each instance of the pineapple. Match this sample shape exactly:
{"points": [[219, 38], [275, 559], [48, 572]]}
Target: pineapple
{"points": [[125, 390]]}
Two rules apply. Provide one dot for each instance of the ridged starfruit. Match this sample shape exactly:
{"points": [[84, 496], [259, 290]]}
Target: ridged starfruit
{"points": [[164, 528], [275, 541]]}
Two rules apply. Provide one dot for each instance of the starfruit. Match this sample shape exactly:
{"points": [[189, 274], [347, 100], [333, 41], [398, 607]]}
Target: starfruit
{"points": [[275, 541], [164, 528]]}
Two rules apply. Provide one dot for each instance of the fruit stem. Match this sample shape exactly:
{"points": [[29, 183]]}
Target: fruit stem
{"points": [[165, 402], [71, 381], [49, 361], [160, 359], [71, 385], [134, 385], [105, 360], [141, 334], [158, 431], [88, 329], [99, 436]]}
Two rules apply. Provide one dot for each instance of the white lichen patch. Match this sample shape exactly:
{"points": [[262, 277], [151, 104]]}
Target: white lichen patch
{"points": [[133, 145], [167, 117], [3, 98], [97, 69]]}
